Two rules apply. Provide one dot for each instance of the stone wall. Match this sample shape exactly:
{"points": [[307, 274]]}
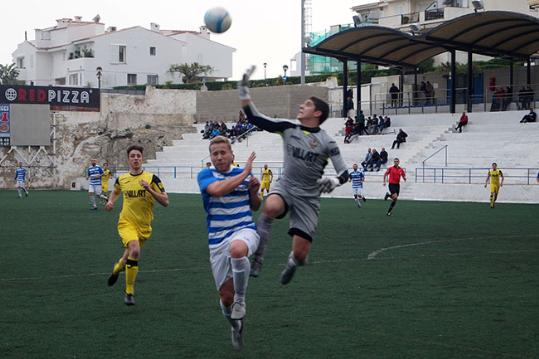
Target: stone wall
{"points": [[152, 120], [278, 101]]}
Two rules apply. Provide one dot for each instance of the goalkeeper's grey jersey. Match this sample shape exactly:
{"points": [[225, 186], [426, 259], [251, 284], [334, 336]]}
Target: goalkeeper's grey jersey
{"points": [[306, 152]]}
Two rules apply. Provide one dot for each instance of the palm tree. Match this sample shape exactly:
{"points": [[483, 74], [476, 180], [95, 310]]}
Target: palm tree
{"points": [[9, 74]]}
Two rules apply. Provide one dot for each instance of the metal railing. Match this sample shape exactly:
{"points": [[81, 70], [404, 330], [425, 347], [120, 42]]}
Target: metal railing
{"points": [[473, 175], [444, 148]]}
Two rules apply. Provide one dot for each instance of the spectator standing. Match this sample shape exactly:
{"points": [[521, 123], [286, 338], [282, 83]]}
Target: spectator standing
{"points": [[394, 93]]}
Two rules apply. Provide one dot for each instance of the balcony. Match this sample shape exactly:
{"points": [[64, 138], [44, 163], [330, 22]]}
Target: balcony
{"points": [[411, 18], [434, 14]]}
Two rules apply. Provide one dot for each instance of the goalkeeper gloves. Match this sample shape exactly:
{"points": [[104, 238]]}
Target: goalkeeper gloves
{"points": [[243, 84], [328, 184]]}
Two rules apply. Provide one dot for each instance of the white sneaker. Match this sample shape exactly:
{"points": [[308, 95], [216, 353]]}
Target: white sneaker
{"points": [[238, 310], [236, 336]]}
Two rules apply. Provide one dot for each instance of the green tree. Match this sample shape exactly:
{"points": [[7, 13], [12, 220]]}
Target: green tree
{"points": [[9, 74], [191, 72]]}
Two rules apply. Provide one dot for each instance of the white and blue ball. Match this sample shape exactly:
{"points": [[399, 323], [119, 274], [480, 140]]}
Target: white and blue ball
{"points": [[217, 20]]}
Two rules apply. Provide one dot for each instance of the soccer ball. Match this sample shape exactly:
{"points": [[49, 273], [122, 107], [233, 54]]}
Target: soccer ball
{"points": [[217, 20]]}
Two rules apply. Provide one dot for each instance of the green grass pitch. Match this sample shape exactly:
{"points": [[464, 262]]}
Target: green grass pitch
{"points": [[444, 280]]}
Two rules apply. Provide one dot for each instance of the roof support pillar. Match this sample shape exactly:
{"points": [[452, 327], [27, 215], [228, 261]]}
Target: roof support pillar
{"points": [[358, 87], [401, 85], [529, 71], [453, 82], [344, 88], [416, 88], [470, 82], [511, 82]]}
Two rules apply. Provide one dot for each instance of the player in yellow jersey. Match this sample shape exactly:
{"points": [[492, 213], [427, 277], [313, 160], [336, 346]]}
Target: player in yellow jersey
{"points": [[267, 178], [105, 177], [140, 188], [494, 176]]}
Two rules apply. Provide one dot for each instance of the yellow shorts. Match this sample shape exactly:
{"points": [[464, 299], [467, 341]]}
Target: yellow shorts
{"points": [[494, 188], [105, 187], [265, 185], [129, 232]]}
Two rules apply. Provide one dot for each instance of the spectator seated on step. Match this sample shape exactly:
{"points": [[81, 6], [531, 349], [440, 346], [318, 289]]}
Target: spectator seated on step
{"points": [[462, 122], [376, 161], [367, 161], [383, 156], [530, 117], [401, 138]]}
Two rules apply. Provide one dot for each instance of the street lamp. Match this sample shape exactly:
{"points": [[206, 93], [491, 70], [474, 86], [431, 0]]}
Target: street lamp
{"points": [[265, 65], [98, 74], [285, 68]]}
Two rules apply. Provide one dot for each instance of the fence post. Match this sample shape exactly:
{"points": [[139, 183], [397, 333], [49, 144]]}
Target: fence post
{"points": [[469, 175], [416, 175], [528, 176], [443, 174], [174, 172], [191, 169]]}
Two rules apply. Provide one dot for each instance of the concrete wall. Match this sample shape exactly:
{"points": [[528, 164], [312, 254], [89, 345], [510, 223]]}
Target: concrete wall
{"points": [[278, 101]]}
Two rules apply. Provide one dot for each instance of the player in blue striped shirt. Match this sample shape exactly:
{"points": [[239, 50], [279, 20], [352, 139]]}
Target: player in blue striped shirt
{"points": [[357, 177], [20, 177], [94, 173], [230, 194]]}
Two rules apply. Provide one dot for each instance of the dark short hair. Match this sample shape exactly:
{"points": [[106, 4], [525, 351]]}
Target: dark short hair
{"points": [[135, 147], [322, 106]]}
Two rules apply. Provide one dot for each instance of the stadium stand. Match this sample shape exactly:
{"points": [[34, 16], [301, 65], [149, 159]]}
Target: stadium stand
{"points": [[489, 137]]}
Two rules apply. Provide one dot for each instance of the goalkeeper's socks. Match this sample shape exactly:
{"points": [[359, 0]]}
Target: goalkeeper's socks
{"points": [[263, 227], [241, 267], [119, 266], [131, 271]]}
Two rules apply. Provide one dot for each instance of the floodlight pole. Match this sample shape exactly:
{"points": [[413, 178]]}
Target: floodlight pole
{"points": [[452, 105], [302, 54], [470, 81], [528, 71], [358, 88], [344, 88]]}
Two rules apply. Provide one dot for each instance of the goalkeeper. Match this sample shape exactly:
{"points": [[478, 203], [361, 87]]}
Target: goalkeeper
{"points": [[307, 149]]}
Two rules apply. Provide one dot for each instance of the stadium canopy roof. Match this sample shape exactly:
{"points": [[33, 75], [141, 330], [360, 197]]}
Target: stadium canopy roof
{"points": [[492, 33], [377, 45]]}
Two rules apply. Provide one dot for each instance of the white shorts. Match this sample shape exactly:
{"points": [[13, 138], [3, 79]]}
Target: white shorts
{"points": [[220, 254], [20, 183], [357, 191], [94, 188]]}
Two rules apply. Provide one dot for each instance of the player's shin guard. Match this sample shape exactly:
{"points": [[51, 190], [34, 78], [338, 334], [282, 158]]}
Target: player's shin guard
{"points": [[131, 271], [240, 275], [263, 227], [119, 266]]}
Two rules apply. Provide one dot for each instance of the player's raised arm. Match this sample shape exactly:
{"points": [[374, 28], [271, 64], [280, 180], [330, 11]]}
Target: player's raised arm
{"points": [[221, 188], [254, 198]]}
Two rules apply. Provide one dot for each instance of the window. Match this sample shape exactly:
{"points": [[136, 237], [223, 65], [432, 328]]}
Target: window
{"points": [[74, 80], [122, 52], [45, 35], [131, 79], [153, 80], [20, 62], [152, 51]]}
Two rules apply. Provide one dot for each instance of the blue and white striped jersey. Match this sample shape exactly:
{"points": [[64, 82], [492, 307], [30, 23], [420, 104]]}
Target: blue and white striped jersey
{"points": [[229, 213], [20, 174], [93, 171], [357, 178]]}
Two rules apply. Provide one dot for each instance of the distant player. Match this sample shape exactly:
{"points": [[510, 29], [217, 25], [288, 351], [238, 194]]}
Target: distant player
{"points": [[494, 176], [20, 178], [267, 178], [105, 177], [307, 149], [394, 173], [230, 194], [357, 177], [93, 174], [140, 188]]}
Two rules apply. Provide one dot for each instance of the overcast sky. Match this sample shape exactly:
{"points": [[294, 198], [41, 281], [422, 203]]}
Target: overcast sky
{"points": [[262, 31]]}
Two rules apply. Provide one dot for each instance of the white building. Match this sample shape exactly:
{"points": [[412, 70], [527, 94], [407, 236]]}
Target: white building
{"points": [[70, 53]]}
